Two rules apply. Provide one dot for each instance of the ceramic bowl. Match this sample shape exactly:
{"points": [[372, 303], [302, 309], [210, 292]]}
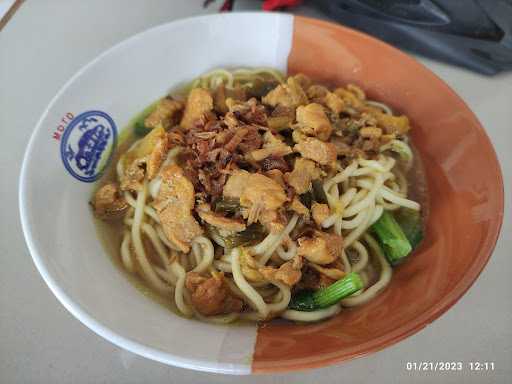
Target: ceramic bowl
{"points": [[64, 158]]}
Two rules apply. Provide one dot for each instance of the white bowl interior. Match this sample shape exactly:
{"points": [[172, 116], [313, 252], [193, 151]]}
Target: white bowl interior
{"points": [[57, 220]]}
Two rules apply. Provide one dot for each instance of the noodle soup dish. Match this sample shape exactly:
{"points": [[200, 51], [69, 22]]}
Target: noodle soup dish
{"points": [[249, 195]]}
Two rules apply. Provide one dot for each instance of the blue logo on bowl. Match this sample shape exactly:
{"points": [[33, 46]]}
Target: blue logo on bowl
{"points": [[88, 144]]}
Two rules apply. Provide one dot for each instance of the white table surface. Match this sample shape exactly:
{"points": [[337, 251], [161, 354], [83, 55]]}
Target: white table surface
{"points": [[45, 43]]}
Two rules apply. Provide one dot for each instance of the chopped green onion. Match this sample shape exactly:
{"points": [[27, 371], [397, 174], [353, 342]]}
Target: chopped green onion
{"points": [[251, 234], [140, 128], [318, 192], [306, 199], [226, 205], [339, 290], [303, 301], [260, 87], [411, 223], [391, 238], [308, 300]]}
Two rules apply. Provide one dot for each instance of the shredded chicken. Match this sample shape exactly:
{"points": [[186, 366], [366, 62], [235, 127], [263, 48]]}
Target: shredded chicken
{"points": [[334, 102], [288, 273], [157, 156], [312, 121], [322, 248], [147, 155], [199, 102], [272, 146], [356, 91], [349, 98], [174, 205], [164, 114], [236, 184], [108, 202], [320, 212], [217, 220], [370, 132], [317, 91], [277, 176], [303, 80], [260, 194], [274, 221], [211, 296], [304, 172], [133, 176], [290, 95], [321, 152], [299, 208], [392, 124]]}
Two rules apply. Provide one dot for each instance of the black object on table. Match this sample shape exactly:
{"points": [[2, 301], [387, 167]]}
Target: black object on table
{"points": [[475, 34]]}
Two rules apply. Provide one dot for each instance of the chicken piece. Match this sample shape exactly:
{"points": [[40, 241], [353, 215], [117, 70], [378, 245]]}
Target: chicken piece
{"points": [[273, 221], [317, 91], [312, 121], [108, 202], [147, 155], [281, 118], [217, 220], [199, 102], [261, 194], [272, 146], [370, 132], [164, 114], [303, 80], [174, 205], [356, 91], [210, 296], [321, 152], [250, 111], [349, 98], [289, 95], [299, 208], [157, 156], [288, 273], [277, 176], [133, 176], [236, 184], [304, 172], [320, 212], [334, 103], [298, 136], [392, 124], [323, 248], [145, 146]]}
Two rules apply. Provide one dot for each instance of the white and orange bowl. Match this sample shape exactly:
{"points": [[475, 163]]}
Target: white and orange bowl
{"points": [[463, 175]]}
